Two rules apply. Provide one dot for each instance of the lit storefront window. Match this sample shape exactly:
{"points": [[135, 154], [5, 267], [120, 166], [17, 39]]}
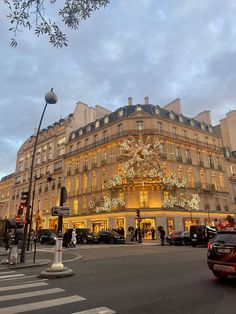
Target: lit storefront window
{"points": [[143, 199], [170, 222], [188, 222]]}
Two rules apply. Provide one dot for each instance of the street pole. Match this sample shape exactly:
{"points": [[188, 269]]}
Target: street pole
{"points": [[51, 98]]}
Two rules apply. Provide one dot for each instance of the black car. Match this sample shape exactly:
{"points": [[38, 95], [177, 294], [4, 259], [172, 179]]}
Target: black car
{"points": [[42, 232], [179, 237], [49, 238], [201, 235], [110, 237], [221, 255], [84, 235]]}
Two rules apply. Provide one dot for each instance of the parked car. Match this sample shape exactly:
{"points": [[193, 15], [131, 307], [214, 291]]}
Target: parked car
{"points": [[84, 235], [201, 235], [49, 238], [179, 237], [110, 237], [221, 256], [42, 232]]}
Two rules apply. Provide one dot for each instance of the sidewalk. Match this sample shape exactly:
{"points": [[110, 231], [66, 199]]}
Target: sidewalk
{"points": [[42, 258]]}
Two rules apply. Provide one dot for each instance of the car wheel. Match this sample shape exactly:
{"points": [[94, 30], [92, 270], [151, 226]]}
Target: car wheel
{"points": [[219, 274], [84, 241]]}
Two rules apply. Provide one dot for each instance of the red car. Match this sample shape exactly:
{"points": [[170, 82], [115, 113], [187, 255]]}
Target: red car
{"points": [[221, 256]]}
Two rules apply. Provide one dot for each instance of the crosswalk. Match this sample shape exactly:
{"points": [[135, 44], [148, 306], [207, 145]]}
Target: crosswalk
{"points": [[19, 293]]}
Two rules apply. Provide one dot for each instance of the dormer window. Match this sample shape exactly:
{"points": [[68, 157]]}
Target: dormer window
{"points": [[72, 135], [181, 119], [97, 124], [202, 125], [138, 108], [106, 119], [210, 129], [80, 131], [192, 122], [172, 116], [120, 113], [89, 128], [157, 110]]}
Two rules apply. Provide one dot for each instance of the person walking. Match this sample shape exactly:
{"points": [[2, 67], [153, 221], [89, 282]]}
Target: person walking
{"points": [[73, 238], [162, 236], [153, 233]]}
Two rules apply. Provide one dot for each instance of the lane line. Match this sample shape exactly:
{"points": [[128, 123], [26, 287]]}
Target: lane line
{"points": [[22, 277], [40, 305], [7, 272], [25, 286], [97, 310], [11, 276], [29, 294]]}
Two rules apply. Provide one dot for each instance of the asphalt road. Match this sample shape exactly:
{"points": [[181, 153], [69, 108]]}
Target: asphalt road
{"points": [[140, 279]]}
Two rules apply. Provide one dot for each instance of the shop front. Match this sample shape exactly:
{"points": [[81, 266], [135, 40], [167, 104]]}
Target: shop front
{"points": [[147, 227], [189, 222], [99, 225]]}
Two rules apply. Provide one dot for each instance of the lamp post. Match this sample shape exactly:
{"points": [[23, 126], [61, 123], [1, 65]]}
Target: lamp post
{"points": [[50, 98]]}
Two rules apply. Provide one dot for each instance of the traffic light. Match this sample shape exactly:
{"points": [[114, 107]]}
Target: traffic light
{"points": [[24, 197], [138, 213], [21, 210]]}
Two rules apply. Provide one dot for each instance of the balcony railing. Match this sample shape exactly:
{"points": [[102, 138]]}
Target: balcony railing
{"points": [[189, 160], [126, 133], [179, 158]]}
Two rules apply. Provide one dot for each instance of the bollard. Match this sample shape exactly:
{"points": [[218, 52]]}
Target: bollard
{"points": [[13, 255], [57, 263]]}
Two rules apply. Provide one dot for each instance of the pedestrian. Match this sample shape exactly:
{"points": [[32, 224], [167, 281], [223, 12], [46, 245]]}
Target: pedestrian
{"points": [[7, 239], [66, 239], [162, 236], [73, 239], [136, 235], [153, 233]]}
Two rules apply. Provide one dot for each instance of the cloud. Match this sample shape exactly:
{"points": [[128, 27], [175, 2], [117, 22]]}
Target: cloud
{"points": [[154, 48]]}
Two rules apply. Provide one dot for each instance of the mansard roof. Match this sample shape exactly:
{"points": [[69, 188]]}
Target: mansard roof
{"points": [[152, 110]]}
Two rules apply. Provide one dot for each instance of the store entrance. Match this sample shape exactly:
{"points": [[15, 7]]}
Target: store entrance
{"points": [[148, 228]]}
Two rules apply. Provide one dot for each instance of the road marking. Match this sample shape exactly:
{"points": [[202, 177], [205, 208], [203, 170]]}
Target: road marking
{"points": [[11, 276], [21, 277], [25, 286], [97, 310], [29, 294], [40, 305], [7, 272]]}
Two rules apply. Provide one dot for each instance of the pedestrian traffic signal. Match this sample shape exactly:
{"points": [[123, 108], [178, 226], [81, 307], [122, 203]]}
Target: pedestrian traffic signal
{"points": [[138, 213], [21, 210], [24, 196]]}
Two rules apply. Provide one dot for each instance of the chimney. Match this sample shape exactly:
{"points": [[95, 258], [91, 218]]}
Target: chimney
{"points": [[146, 100], [130, 101]]}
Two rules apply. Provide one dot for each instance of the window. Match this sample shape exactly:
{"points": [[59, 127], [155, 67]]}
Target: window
{"points": [[184, 134], [94, 160], [75, 207], [139, 125], [84, 204], [68, 186], [172, 116], [76, 190], [86, 141], [174, 133], [94, 181], [58, 166], [138, 108], [190, 178], [72, 135], [88, 128], [105, 135], [106, 119], [97, 124], [104, 179], [157, 110], [84, 183], [80, 131], [159, 126], [119, 128], [120, 113], [192, 122], [95, 139], [143, 199], [61, 141]]}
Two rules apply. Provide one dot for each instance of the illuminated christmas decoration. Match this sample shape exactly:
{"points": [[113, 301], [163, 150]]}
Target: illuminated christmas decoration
{"points": [[144, 163]]}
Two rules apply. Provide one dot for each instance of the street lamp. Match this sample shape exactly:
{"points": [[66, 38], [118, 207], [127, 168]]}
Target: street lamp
{"points": [[50, 98]]}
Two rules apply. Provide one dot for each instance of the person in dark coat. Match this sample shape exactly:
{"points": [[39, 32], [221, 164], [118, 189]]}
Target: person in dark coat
{"points": [[153, 233], [66, 239], [162, 236]]}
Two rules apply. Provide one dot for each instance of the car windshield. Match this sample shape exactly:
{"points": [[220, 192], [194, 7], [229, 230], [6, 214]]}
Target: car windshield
{"points": [[226, 238]]}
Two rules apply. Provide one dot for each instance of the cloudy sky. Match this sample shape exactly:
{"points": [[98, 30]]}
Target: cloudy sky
{"points": [[158, 48]]}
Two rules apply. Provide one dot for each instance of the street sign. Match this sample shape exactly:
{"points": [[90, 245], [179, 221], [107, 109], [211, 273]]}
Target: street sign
{"points": [[60, 211]]}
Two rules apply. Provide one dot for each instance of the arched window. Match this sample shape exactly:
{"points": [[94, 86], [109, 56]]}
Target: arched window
{"points": [[75, 207], [76, 189]]}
